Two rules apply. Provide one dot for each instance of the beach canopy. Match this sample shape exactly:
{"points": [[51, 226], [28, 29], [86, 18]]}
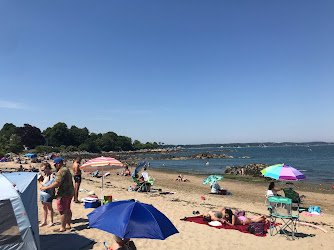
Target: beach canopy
{"points": [[18, 211], [132, 219], [282, 172], [101, 164], [31, 155], [212, 178]]}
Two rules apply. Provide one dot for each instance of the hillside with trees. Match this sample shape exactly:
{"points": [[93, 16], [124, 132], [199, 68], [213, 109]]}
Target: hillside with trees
{"points": [[60, 138]]}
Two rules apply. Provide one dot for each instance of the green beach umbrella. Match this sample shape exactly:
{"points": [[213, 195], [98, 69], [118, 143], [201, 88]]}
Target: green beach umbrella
{"points": [[212, 178]]}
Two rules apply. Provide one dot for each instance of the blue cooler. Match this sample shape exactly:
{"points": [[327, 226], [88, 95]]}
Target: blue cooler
{"points": [[93, 203]]}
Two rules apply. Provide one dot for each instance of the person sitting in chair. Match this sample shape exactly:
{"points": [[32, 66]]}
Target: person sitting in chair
{"points": [[272, 191]]}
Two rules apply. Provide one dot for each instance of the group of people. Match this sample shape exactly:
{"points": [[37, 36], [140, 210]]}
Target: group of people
{"points": [[31, 168], [227, 217], [59, 186], [181, 178]]}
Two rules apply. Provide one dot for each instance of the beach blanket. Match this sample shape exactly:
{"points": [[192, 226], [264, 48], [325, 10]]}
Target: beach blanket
{"points": [[312, 214], [241, 228]]}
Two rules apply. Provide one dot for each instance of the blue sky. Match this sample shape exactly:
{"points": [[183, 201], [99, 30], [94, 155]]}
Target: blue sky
{"points": [[176, 71]]}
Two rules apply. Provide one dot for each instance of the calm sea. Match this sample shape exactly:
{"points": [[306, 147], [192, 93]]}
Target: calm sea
{"points": [[315, 162]]}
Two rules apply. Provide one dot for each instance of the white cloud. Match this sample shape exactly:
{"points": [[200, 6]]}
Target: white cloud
{"points": [[12, 105]]}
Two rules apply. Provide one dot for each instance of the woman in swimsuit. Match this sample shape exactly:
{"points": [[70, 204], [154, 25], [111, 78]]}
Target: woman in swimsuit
{"points": [[231, 219], [215, 215]]}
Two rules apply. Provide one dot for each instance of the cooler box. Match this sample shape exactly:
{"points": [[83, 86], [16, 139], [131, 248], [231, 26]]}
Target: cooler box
{"points": [[92, 203]]}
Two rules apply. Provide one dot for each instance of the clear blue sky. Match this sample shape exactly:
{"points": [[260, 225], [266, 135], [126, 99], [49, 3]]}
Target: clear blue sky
{"points": [[173, 71]]}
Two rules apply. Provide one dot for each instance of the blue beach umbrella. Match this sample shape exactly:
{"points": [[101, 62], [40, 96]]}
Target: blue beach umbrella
{"points": [[132, 219], [140, 166], [212, 178]]}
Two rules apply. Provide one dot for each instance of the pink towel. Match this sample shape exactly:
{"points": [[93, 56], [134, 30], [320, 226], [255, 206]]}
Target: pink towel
{"points": [[311, 214]]}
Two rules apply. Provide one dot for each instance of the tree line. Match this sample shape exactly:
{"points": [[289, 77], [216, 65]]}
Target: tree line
{"points": [[60, 138]]}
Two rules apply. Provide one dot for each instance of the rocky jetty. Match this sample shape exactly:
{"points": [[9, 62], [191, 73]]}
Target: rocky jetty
{"points": [[201, 155], [250, 170]]}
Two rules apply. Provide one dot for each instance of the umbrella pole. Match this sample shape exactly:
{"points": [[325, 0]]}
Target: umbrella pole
{"points": [[102, 184]]}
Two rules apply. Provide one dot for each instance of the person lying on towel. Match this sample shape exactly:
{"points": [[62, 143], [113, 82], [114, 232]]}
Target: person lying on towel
{"points": [[215, 215], [228, 218]]}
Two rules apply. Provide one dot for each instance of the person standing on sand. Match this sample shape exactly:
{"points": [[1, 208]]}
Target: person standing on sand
{"points": [[77, 178], [65, 193]]}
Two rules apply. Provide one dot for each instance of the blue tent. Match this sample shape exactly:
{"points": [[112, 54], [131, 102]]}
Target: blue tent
{"points": [[25, 184], [31, 155]]}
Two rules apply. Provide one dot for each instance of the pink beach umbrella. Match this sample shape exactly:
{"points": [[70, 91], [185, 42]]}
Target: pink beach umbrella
{"points": [[101, 164], [282, 172]]}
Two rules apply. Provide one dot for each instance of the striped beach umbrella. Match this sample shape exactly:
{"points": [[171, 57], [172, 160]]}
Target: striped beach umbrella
{"points": [[282, 172], [101, 164]]}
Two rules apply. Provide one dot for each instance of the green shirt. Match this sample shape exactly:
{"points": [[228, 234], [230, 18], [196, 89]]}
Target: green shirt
{"points": [[66, 188]]}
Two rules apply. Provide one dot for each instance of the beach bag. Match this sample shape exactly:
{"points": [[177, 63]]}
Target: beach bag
{"points": [[316, 209], [240, 212], [256, 228]]}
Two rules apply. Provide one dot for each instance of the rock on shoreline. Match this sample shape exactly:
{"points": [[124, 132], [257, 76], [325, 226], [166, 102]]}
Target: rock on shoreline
{"points": [[251, 169]]}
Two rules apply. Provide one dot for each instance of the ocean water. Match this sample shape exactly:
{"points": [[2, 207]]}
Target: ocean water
{"points": [[315, 162]]}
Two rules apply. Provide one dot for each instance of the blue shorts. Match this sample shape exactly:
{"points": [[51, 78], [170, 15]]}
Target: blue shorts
{"points": [[45, 197]]}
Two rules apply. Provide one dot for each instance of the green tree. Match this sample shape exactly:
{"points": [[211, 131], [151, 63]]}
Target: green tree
{"points": [[31, 136], [8, 130], [137, 145], [58, 135], [44, 149], [124, 143], [78, 135], [15, 144]]}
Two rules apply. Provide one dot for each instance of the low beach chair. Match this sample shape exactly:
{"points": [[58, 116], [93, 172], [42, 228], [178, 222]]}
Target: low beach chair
{"points": [[281, 218], [141, 187]]}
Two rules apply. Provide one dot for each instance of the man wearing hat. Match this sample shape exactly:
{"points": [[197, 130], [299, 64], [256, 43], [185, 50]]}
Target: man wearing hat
{"points": [[65, 193]]}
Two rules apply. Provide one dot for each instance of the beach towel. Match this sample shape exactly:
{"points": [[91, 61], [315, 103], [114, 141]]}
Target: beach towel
{"points": [[241, 228], [312, 214]]}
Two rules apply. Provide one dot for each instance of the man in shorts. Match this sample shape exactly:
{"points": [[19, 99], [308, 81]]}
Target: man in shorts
{"points": [[65, 192], [77, 178]]}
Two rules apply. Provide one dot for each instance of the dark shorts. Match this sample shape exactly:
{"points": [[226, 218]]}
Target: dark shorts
{"points": [[77, 178], [64, 204]]}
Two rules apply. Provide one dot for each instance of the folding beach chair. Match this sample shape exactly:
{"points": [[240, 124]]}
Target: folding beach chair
{"points": [[141, 187], [291, 194], [280, 208]]}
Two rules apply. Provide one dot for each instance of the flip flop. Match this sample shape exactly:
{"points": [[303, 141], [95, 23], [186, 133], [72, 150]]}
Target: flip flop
{"points": [[51, 224], [42, 224], [58, 230]]}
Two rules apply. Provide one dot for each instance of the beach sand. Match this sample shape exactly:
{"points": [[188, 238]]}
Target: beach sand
{"points": [[248, 196]]}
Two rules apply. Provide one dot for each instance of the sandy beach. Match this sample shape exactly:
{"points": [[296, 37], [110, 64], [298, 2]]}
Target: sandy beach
{"points": [[248, 196]]}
